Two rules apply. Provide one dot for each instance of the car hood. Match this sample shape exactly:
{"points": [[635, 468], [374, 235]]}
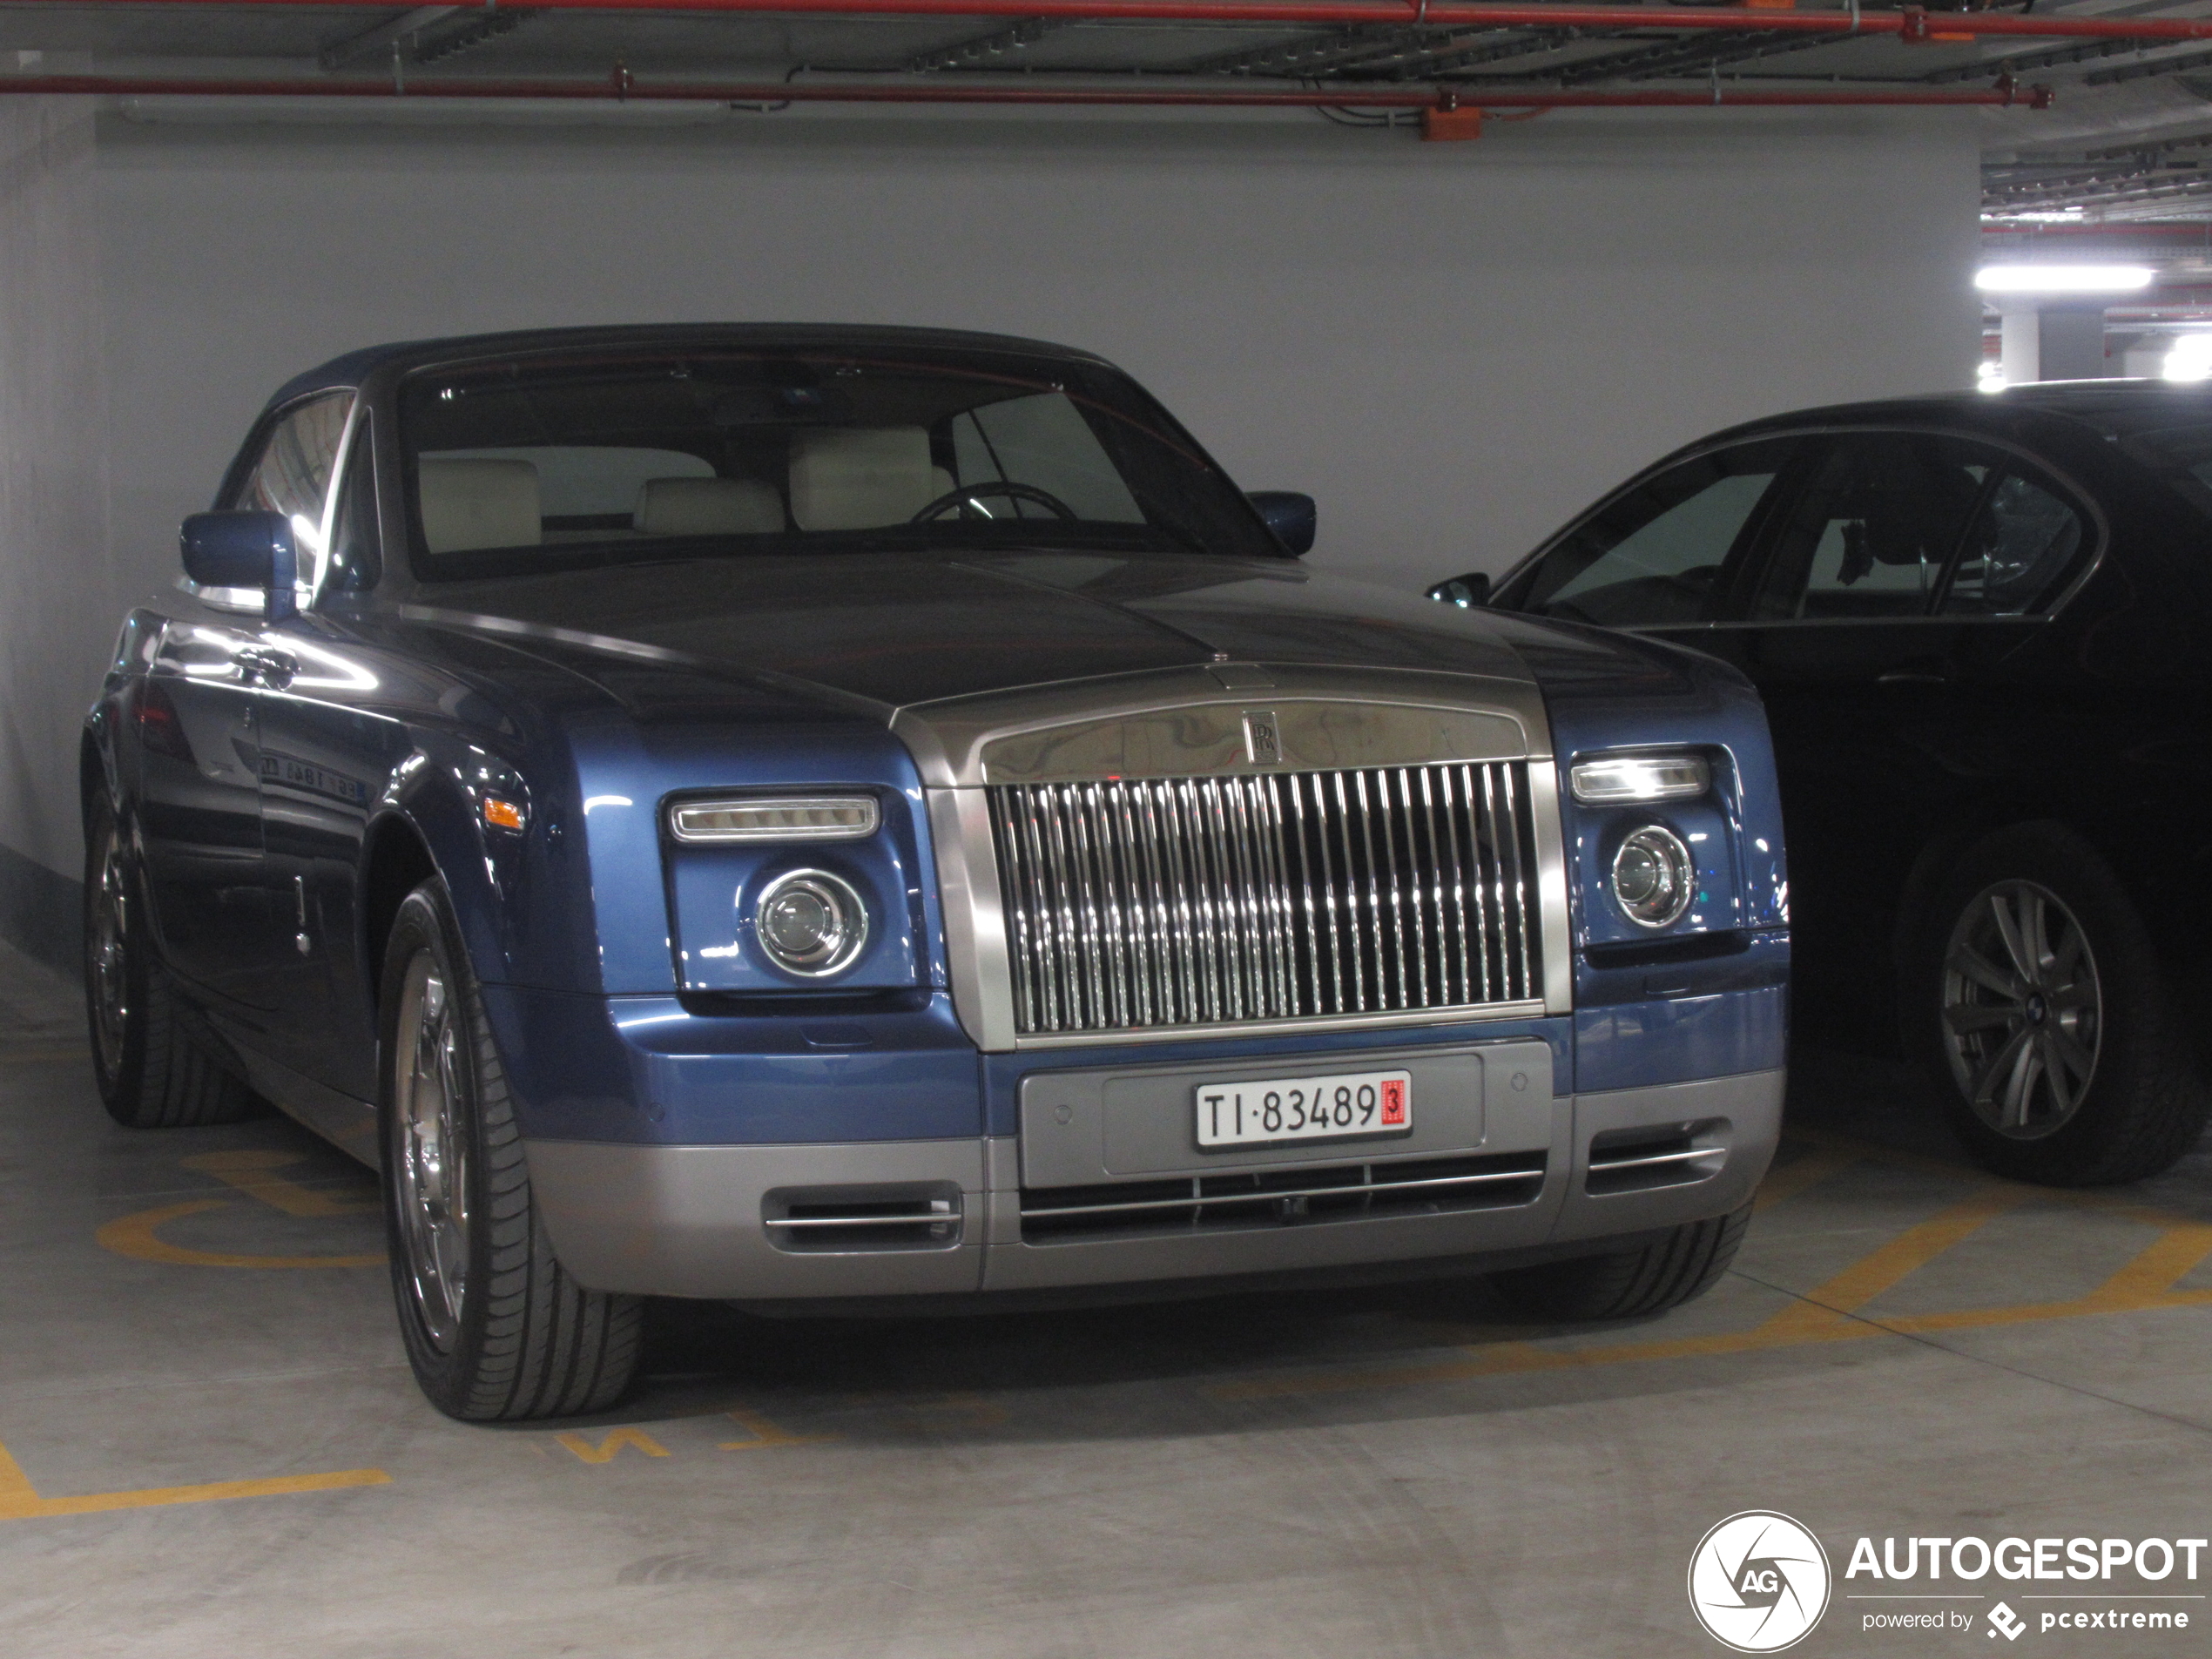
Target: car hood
{"points": [[898, 631]]}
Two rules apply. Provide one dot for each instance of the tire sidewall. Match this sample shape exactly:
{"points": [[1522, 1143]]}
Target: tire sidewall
{"points": [[120, 1086], [2132, 996], [425, 921]]}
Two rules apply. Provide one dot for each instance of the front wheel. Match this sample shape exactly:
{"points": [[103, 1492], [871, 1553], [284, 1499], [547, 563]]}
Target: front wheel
{"points": [[495, 1328], [2040, 1011], [1628, 1283]]}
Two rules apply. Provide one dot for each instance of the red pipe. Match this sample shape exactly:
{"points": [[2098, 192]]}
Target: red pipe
{"points": [[623, 87], [1913, 23]]}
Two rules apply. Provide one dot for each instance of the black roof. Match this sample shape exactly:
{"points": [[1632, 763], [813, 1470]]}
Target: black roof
{"points": [[2098, 405], [356, 365]]}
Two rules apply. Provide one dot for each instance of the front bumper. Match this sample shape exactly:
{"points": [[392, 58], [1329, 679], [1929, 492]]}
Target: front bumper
{"points": [[873, 1218]]}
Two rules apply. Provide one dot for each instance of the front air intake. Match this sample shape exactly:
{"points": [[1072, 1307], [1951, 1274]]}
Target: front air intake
{"points": [[1280, 1197], [814, 1221], [1664, 1155], [1184, 902]]}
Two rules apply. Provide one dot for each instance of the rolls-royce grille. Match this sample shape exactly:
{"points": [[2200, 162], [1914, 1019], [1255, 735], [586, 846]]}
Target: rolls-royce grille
{"points": [[1289, 895]]}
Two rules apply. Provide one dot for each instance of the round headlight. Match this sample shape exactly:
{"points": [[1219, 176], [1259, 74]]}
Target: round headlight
{"points": [[811, 923], [1653, 877]]}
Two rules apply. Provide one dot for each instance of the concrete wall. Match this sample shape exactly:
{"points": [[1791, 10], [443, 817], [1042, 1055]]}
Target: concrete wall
{"points": [[1452, 345]]}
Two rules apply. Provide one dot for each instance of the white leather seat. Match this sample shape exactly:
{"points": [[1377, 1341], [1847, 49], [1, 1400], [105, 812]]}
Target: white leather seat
{"points": [[851, 478], [707, 506], [478, 503]]}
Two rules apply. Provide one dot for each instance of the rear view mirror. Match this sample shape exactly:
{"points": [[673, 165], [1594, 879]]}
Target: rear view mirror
{"points": [[1465, 591], [243, 549], [1291, 516]]}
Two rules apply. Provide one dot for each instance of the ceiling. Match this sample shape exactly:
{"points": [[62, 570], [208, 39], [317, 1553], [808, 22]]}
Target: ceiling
{"points": [[2128, 137]]}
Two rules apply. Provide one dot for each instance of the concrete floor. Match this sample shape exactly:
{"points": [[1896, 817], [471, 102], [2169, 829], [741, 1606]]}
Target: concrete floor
{"points": [[220, 1451]]}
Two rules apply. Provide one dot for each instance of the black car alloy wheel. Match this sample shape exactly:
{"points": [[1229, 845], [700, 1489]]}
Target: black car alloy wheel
{"points": [[2044, 1013], [2022, 1012]]}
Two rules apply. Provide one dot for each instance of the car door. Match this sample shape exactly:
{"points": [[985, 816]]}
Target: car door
{"points": [[198, 806], [235, 669], [1875, 622], [324, 745], [1661, 555]]}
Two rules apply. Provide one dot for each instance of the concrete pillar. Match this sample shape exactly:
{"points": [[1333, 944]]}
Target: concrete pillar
{"points": [[2020, 346], [2056, 341], [2070, 344]]}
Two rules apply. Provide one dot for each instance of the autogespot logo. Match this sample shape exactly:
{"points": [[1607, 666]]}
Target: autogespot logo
{"points": [[1758, 1581]]}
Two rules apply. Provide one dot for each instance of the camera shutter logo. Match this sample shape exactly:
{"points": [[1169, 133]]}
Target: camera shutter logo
{"points": [[1758, 1581]]}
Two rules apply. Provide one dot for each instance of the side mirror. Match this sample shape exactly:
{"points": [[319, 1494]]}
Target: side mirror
{"points": [[243, 549], [1291, 516], [1465, 591]]}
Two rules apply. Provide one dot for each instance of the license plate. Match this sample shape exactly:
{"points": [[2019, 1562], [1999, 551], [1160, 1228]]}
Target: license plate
{"points": [[1336, 1108]]}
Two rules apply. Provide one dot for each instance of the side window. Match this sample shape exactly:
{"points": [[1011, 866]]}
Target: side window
{"points": [[2025, 542], [1655, 555], [355, 551], [1871, 533], [292, 473]]}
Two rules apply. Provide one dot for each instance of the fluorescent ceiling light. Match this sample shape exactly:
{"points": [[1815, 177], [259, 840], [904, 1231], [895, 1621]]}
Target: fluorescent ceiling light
{"points": [[2063, 278]]}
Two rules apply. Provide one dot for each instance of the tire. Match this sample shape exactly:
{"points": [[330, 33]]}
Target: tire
{"points": [[153, 1072], [1628, 1283], [2080, 1073], [495, 1329]]}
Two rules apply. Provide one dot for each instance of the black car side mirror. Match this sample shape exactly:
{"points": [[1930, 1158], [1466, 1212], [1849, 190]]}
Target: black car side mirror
{"points": [[244, 550], [1291, 516], [1465, 591]]}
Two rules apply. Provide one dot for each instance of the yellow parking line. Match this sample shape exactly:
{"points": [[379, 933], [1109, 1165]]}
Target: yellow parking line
{"points": [[137, 1237], [1788, 1180], [1823, 1316], [44, 1056], [249, 1171], [765, 1434], [19, 1499], [1832, 1303]]}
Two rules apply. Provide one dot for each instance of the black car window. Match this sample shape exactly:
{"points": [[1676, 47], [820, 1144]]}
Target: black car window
{"points": [[1653, 555], [526, 466], [2025, 542], [1874, 529]]}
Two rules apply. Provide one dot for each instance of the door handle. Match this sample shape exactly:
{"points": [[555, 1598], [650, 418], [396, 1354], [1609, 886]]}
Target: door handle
{"points": [[1912, 676], [270, 668]]}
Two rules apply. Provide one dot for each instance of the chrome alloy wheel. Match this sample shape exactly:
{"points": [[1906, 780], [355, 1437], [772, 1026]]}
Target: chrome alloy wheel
{"points": [[106, 953], [432, 1165], [2023, 1013]]}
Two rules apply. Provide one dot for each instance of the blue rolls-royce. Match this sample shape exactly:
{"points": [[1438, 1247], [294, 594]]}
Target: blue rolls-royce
{"points": [[817, 815]]}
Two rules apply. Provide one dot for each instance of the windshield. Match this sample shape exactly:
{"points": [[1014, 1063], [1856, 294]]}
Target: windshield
{"points": [[536, 466]]}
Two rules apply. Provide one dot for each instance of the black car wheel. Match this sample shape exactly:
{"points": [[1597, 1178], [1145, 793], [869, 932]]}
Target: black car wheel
{"points": [[1628, 1283], [151, 1073], [2037, 1006], [494, 1327]]}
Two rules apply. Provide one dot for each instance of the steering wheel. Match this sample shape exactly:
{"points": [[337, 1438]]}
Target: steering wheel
{"points": [[1012, 491]]}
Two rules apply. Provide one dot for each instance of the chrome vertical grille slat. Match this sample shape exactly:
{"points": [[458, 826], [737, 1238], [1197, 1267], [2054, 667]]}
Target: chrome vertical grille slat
{"points": [[1143, 904]]}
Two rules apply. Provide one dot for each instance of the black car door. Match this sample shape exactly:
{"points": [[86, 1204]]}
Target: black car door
{"points": [[1876, 620]]}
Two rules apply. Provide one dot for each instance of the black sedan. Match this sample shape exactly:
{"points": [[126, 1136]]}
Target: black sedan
{"points": [[1979, 623]]}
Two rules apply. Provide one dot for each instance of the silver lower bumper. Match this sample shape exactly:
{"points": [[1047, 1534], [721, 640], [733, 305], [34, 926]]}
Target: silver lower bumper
{"points": [[924, 1218]]}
